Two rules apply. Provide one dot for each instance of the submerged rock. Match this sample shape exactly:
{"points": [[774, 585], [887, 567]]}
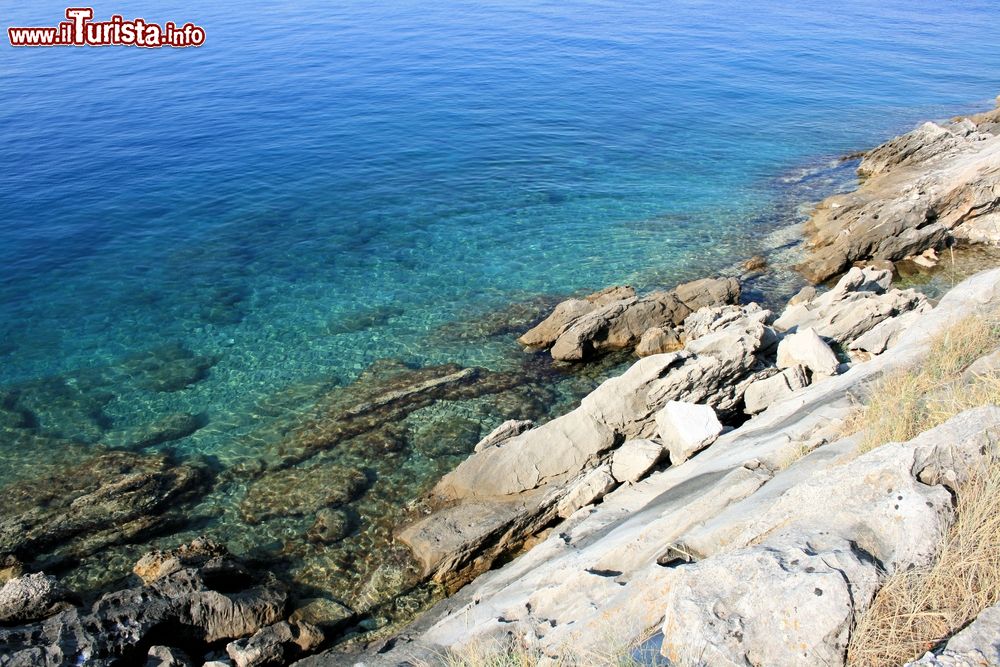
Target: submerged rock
{"points": [[112, 498], [166, 429], [301, 490], [331, 526], [168, 368]]}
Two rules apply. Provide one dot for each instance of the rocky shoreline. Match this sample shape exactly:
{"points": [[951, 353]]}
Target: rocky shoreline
{"points": [[680, 460]]}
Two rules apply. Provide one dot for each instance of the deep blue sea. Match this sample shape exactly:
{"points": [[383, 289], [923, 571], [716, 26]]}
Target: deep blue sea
{"points": [[327, 184]]}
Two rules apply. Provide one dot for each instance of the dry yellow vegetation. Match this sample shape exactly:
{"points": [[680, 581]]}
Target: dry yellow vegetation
{"points": [[916, 610]]}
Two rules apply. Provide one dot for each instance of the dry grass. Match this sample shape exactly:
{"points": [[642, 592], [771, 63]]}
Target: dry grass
{"points": [[914, 611], [903, 404]]}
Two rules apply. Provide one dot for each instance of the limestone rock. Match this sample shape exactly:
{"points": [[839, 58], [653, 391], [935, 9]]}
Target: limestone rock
{"points": [[657, 340], [762, 393], [156, 564], [886, 333], [617, 319], [274, 645], [166, 656], [217, 600], [918, 189], [31, 597], [545, 333], [589, 489], [806, 348], [709, 319], [634, 459], [856, 305], [804, 295], [503, 432], [686, 428], [500, 496], [791, 602]]}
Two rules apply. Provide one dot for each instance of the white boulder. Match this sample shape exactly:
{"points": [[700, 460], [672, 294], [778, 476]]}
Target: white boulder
{"points": [[634, 459], [686, 428], [806, 348]]}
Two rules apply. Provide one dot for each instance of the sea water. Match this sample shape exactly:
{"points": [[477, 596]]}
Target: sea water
{"points": [[235, 232]]}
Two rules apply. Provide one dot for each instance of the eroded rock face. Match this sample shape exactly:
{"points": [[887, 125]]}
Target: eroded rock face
{"points": [[812, 554], [545, 333], [216, 600], [612, 320], [754, 493], [31, 597], [503, 493], [919, 189], [504, 431], [657, 340]]}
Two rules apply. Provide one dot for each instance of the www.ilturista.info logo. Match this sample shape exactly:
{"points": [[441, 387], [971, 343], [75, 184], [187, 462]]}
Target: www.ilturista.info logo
{"points": [[81, 30]]}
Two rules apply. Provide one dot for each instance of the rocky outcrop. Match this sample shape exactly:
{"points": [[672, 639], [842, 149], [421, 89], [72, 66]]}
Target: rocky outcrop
{"points": [[30, 598], [778, 519], [723, 611], [859, 302], [920, 189], [218, 599], [579, 329], [275, 645], [762, 393], [634, 459], [505, 492]]}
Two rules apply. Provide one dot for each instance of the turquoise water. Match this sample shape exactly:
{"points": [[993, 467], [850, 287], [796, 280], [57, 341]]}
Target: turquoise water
{"points": [[327, 185]]}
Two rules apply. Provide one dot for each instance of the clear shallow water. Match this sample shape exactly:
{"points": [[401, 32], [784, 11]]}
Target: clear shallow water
{"points": [[321, 187]]}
